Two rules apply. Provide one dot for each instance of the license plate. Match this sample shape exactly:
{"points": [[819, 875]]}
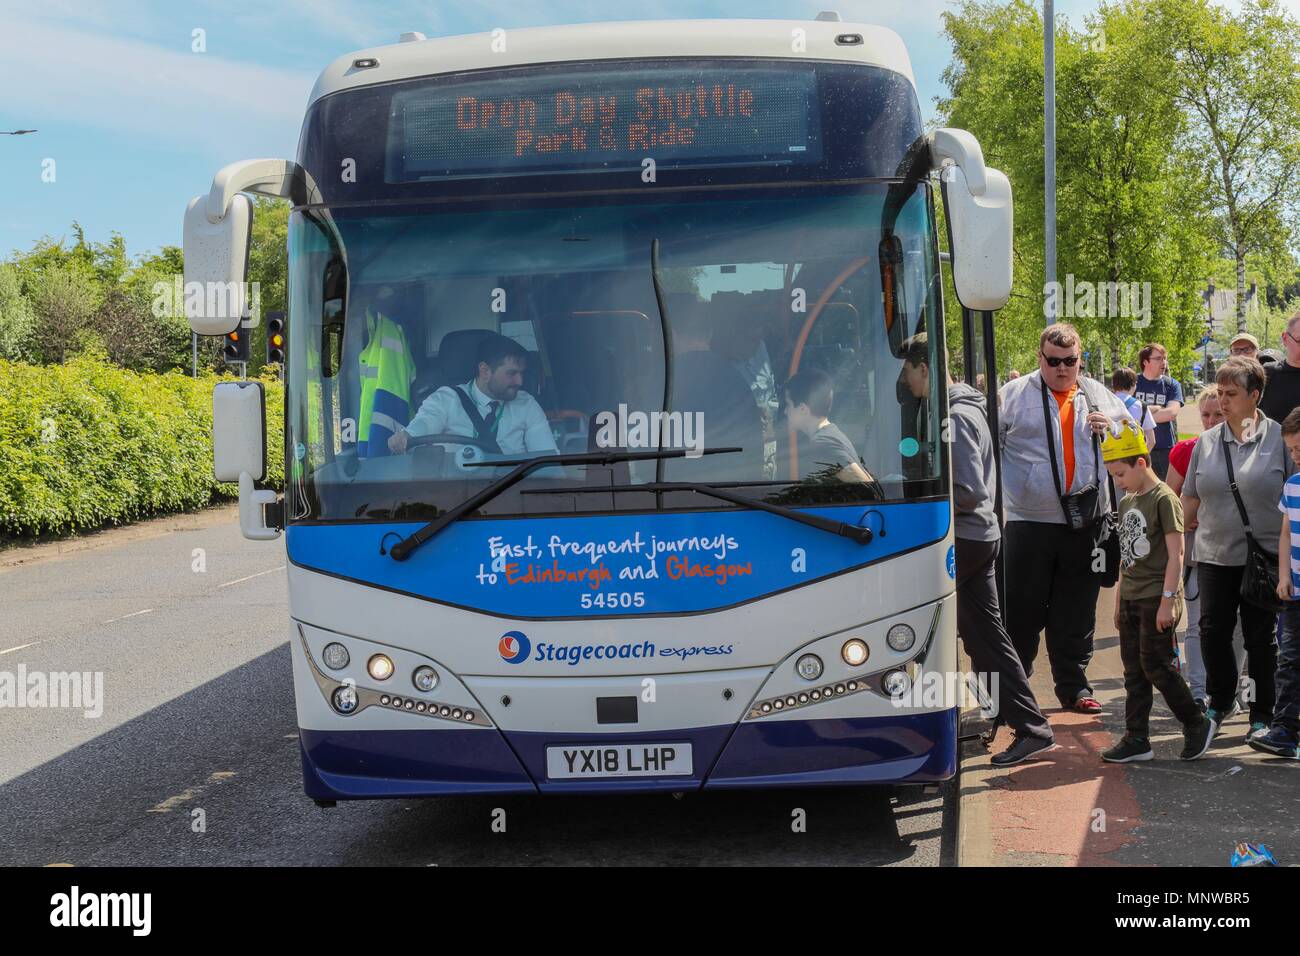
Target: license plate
{"points": [[619, 760]]}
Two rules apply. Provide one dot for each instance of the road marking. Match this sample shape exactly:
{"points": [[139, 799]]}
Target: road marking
{"points": [[249, 578], [147, 610], [189, 793], [20, 647]]}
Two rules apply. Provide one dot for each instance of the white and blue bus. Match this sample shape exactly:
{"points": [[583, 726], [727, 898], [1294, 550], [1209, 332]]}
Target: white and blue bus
{"points": [[573, 268]]}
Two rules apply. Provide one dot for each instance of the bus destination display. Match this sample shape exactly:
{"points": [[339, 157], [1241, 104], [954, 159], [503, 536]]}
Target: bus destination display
{"points": [[590, 121]]}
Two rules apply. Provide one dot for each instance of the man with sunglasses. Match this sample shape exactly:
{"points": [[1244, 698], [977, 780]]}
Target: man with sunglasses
{"points": [[1282, 379], [1244, 345], [1050, 461], [1164, 397]]}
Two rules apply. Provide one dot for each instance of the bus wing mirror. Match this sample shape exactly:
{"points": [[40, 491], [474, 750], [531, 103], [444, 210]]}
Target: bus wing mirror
{"points": [[239, 451], [218, 230], [979, 237], [216, 265]]}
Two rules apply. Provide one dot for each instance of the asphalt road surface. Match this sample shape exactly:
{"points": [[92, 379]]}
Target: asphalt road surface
{"points": [[194, 758]]}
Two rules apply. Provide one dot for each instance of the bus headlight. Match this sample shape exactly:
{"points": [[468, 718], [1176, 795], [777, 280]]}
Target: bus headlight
{"points": [[896, 683], [901, 637], [809, 667], [380, 667], [335, 656], [855, 652], [344, 699], [425, 678]]}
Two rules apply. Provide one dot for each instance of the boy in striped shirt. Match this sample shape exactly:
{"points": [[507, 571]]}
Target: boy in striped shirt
{"points": [[1283, 738]]}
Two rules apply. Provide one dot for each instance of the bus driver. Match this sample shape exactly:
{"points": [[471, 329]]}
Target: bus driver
{"points": [[491, 407]]}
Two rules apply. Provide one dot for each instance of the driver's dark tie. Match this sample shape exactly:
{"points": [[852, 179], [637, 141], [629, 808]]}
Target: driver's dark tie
{"points": [[494, 412]]}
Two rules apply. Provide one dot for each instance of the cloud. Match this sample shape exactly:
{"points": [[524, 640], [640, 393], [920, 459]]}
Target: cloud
{"points": [[185, 101]]}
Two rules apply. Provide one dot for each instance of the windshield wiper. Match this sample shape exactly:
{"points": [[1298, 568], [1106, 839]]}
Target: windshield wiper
{"points": [[852, 531], [522, 468]]}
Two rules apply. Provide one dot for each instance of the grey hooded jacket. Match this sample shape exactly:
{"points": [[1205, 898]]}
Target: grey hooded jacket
{"points": [[974, 480]]}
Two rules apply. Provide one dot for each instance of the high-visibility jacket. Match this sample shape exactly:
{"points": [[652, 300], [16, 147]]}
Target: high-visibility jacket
{"points": [[387, 373]]}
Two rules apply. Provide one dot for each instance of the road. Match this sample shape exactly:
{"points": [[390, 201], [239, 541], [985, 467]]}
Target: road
{"points": [[194, 759]]}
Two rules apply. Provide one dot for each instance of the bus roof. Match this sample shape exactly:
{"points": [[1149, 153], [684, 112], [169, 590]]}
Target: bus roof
{"points": [[880, 46]]}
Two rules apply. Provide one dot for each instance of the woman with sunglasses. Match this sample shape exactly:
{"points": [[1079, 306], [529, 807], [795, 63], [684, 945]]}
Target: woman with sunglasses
{"points": [[1052, 474], [1260, 466]]}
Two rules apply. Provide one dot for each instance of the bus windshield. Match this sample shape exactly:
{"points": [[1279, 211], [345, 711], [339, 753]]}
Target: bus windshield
{"points": [[430, 341]]}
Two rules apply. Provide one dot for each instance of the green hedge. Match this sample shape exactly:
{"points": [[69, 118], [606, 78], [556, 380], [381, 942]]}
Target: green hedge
{"points": [[89, 444]]}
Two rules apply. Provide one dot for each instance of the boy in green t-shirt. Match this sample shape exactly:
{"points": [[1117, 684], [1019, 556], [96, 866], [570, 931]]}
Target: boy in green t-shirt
{"points": [[1150, 601]]}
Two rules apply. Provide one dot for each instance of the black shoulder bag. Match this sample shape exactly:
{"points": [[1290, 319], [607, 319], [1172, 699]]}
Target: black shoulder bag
{"points": [[1083, 508], [481, 430], [1108, 528], [1259, 580]]}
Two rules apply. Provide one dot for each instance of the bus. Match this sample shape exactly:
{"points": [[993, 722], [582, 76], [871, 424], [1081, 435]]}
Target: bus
{"points": [[603, 471]]}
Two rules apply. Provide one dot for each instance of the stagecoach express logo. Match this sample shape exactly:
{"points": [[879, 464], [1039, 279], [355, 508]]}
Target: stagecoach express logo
{"points": [[670, 430], [515, 646], [74, 690], [948, 689]]}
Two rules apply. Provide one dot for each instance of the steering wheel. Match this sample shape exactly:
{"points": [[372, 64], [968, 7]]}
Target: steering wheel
{"points": [[419, 441]]}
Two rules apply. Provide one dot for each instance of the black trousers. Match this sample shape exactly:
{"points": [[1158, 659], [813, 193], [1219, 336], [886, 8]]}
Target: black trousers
{"points": [[1160, 461], [979, 623], [1051, 586], [1221, 603], [1151, 661]]}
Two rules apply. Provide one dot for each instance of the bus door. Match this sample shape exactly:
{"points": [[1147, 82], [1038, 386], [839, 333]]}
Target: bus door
{"points": [[980, 366]]}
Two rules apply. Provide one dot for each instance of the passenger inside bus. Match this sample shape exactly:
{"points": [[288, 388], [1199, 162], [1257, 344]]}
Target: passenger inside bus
{"points": [[705, 381], [809, 398], [741, 340]]}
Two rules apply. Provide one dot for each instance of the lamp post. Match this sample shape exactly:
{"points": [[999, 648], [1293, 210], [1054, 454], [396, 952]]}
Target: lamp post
{"points": [[1049, 149]]}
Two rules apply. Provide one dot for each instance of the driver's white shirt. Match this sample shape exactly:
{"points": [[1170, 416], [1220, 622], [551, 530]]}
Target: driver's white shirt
{"points": [[523, 427]]}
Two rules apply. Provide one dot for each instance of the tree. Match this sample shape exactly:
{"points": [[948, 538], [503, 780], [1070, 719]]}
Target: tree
{"points": [[1238, 79], [17, 320], [995, 81], [64, 302], [268, 266]]}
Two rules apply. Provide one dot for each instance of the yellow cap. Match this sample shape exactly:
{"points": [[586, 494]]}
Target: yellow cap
{"points": [[1127, 443]]}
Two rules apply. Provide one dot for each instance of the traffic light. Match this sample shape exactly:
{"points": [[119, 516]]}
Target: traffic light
{"points": [[235, 348], [275, 339]]}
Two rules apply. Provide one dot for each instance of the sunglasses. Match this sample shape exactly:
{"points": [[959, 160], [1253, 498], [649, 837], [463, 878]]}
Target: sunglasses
{"points": [[1070, 361]]}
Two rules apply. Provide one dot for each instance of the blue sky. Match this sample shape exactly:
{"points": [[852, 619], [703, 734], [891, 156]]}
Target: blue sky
{"points": [[137, 123]]}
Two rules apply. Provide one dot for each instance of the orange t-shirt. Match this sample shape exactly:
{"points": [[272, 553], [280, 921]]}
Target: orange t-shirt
{"points": [[1065, 408]]}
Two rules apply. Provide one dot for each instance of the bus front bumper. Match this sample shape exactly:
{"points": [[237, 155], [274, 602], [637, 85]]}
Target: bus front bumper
{"points": [[366, 764]]}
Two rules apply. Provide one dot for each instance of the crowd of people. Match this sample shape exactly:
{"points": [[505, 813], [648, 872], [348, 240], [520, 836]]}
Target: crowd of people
{"points": [[1098, 492]]}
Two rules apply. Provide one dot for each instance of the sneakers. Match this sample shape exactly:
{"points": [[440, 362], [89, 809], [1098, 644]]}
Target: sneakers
{"points": [[1197, 738], [1021, 749], [1216, 717], [1257, 729], [1128, 750], [1276, 742], [1085, 703]]}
